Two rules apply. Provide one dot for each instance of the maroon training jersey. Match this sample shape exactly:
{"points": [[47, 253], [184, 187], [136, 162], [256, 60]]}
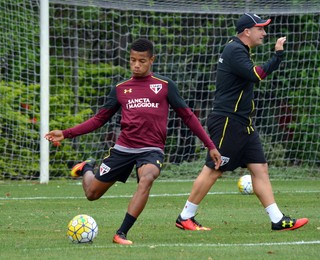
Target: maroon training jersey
{"points": [[145, 106]]}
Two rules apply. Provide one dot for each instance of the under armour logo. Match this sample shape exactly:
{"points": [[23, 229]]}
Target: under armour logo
{"points": [[287, 224], [127, 91]]}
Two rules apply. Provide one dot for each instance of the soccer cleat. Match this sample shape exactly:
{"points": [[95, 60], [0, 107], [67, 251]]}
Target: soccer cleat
{"points": [[189, 224], [76, 170], [287, 223], [121, 239]]}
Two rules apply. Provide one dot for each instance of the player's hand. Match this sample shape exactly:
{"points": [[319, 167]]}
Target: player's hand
{"points": [[54, 136], [216, 157], [279, 44]]}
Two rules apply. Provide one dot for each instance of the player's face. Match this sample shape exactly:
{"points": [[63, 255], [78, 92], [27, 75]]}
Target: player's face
{"points": [[256, 35], [140, 63]]}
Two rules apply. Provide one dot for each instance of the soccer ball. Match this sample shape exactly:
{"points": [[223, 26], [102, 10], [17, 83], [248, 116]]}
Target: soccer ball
{"points": [[82, 229], [245, 184]]}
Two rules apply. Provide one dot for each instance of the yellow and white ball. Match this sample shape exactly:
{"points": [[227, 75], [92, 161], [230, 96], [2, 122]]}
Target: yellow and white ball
{"points": [[82, 229], [245, 184]]}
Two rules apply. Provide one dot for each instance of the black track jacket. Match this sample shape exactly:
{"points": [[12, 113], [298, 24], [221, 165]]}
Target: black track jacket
{"points": [[236, 76]]}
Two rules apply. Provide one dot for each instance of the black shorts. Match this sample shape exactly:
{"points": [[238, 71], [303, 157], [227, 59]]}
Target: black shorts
{"points": [[238, 144], [117, 166]]}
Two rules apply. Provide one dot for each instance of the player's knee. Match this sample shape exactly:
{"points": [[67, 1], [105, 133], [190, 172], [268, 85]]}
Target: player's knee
{"points": [[148, 174], [92, 196], [146, 181]]}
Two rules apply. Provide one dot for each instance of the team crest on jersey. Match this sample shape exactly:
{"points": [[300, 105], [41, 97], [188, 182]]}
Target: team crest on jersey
{"points": [[104, 169], [156, 87]]}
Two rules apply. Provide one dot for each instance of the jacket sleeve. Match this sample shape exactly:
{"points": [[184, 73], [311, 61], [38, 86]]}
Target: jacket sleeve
{"points": [[90, 125], [98, 120], [188, 117], [243, 66], [266, 69]]}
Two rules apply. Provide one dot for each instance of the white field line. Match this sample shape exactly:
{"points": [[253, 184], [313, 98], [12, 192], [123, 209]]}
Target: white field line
{"points": [[151, 195], [296, 243]]}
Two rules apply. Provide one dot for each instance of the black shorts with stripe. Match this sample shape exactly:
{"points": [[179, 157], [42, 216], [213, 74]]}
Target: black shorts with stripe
{"points": [[118, 165], [238, 144]]}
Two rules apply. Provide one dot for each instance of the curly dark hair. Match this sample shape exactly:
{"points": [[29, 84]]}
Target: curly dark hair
{"points": [[142, 45]]}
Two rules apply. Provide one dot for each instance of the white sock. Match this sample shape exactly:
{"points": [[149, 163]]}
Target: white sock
{"points": [[274, 213], [189, 210]]}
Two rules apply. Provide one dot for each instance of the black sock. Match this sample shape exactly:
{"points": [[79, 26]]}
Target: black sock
{"points": [[127, 223]]}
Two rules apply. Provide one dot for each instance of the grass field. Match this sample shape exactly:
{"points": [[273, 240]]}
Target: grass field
{"points": [[34, 220]]}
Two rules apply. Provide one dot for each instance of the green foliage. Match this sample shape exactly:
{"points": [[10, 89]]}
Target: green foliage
{"points": [[305, 98], [19, 41], [294, 91], [189, 54], [20, 117], [19, 132], [89, 54], [72, 105]]}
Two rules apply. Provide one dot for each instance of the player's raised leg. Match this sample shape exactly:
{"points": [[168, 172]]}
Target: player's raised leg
{"points": [[92, 187]]}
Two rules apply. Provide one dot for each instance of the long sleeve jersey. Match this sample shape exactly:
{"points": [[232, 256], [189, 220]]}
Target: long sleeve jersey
{"points": [[236, 76], [144, 104]]}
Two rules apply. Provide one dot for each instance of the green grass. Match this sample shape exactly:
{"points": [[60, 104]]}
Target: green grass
{"points": [[34, 220]]}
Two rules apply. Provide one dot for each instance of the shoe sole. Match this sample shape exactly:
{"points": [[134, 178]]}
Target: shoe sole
{"points": [[122, 241], [181, 227], [300, 223]]}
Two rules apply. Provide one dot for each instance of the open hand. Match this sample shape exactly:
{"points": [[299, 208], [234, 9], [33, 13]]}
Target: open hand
{"points": [[55, 137], [279, 44]]}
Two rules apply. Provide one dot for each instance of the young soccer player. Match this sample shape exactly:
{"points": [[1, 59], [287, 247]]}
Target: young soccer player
{"points": [[144, 101], [231, 127]]}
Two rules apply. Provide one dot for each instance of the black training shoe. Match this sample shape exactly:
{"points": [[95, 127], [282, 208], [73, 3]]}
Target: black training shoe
{"points": [[287, 223], [76, 170]]}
